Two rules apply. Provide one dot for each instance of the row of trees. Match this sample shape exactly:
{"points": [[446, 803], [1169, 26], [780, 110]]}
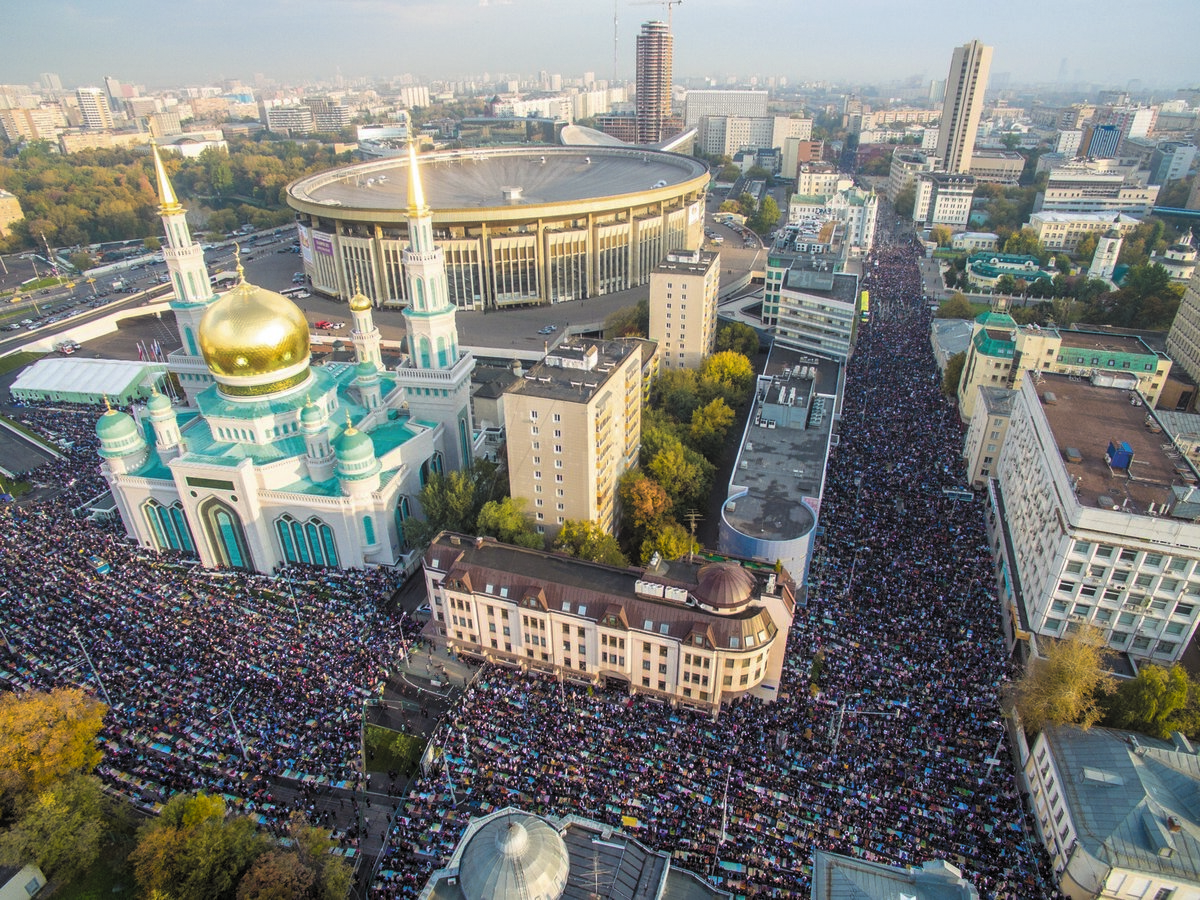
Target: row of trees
{"points": [[1069, 684], [107, 195], [55, 814], [760, 217]]}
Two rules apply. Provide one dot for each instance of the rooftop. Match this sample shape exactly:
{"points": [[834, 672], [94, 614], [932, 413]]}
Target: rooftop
{"points": [[1106, 341], [501, 177], [1133, 799], [692, 262], [1086, 418], [837, 877], [782, 459], [574, 371]]}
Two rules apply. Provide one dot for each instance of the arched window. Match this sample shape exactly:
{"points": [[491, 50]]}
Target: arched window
{"points": [[464, 439], [309, 542], [423, 345], [191, 342], [441, 352], [403, 511], [169, 526], [420, 283], [369, 530]]}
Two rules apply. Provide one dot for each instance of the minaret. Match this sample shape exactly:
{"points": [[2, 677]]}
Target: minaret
{"points": [[364, 334], [189, 276], [429, 316], [167, 438], [319, 458], [1108, 248]]}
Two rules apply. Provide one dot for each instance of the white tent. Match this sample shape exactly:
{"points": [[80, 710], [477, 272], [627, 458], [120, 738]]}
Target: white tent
{"points": [[87, 380]]}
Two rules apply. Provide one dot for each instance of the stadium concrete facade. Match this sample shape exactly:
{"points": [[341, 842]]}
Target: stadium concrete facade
{"points": [[518, 226]]}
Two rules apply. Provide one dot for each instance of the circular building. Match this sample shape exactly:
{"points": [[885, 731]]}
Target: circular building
{"points": [[517, 226]]}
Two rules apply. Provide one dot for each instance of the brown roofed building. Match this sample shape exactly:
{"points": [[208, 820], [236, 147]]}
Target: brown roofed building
{"points": [[698, 632]]}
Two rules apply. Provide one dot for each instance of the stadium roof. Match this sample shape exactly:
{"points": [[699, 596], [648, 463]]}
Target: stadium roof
{"points": [[501, 177]]}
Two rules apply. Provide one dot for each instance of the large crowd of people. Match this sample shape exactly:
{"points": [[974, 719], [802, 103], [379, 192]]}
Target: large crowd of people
{"points": [[889, 748]]}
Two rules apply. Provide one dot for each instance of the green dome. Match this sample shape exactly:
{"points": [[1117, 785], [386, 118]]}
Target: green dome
{"points": [[310, 415], [158, 402], [354, 446], [115, 426], [365, 369]]}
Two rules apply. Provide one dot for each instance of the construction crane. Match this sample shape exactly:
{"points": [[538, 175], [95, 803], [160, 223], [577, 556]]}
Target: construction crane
{"points": [[669, 4]]}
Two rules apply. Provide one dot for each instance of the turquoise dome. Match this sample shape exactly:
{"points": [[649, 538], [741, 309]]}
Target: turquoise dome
{"points": [[116, 426], [354, 446], [158, 402], [365, 369], [311, 415]]}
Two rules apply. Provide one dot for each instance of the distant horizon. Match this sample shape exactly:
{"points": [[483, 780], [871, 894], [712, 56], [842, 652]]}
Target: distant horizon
{"points": [[855, 43]]}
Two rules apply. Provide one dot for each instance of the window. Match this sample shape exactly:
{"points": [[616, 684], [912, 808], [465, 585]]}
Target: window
{"points": [[1184, 609]]}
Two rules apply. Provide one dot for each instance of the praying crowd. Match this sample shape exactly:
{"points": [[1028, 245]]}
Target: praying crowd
{"points": [[887, 743]]}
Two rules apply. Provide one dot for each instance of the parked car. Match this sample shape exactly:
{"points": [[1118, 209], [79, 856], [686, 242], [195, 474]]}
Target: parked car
{"points": [[322, 323]]}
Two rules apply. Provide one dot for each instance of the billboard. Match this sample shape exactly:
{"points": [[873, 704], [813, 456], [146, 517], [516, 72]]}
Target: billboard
{"points": [[306, 249], [323, 245]]}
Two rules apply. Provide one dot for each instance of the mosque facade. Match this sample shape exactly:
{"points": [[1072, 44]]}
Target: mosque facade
{"points": [[274, 461]]}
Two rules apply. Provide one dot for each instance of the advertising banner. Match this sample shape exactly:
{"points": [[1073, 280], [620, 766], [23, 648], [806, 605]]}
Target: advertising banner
{"points": [[306, 250]]}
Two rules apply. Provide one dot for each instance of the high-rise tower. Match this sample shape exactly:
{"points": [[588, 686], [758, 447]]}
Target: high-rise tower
{"points": [[962, 105], [189, 276], [94, 108], [655, 48]]}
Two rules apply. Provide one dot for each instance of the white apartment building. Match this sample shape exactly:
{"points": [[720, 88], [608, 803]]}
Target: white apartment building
{"points": [[1096, 187], [943, 199], [574, 425], [726, 135], [1115, 811], [683, 307], [747, 104], [820, 180], [94, 108], [1093, 519], [1062, 231], [1068, 142], [907, 166], [696, 633], [855, 208]]}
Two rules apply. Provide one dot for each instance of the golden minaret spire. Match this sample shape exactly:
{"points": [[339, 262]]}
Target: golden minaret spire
{"points": [[168, 202]]}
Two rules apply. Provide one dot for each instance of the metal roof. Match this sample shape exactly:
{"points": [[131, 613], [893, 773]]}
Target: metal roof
{"points": [[84, 376], [837, 877]]}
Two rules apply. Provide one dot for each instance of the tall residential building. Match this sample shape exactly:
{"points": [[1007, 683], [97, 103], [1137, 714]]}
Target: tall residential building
{"points": [[51, 82], [683, 307], [574, 425], [1183, 340], [655, 49], [1171, 161], [93, 107], [963, 105], [698, 104], [943, 199], [808, 304], [1102, 141], [1092, 520], [115, 91]]}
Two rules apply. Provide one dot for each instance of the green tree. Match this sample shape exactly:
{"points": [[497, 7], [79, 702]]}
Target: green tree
{"points": [[452, 502], [506, 520], [766, 217], [956, 307], [906, 199], [45, 737], [82, 261], [683, 473], [670, 540], [677, 392], [953, 374], [1147, 298], [61, 830], [1156, 703], [730, 206], [1006, 284], [738, 337], [193, 852], [151, 243], [941, 235], [1025, 243], [729, 173], [1062, 262], [1086, 249], [587, 540], [709, 426], [629, 321], [1063, 686]]}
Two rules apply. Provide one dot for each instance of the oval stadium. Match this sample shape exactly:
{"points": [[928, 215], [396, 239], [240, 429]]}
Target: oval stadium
{"points": [[518, 226]]}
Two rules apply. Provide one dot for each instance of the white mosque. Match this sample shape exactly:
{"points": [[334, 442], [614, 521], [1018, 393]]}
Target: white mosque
{"points": [[276, 461]]}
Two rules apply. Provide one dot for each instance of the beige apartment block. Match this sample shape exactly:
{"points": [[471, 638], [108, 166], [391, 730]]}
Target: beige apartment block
{"points": [[683, 307]]}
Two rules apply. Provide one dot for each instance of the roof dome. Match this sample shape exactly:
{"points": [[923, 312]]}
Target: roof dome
{"points": [[311, 414], [255, 341], [360, 302], [516, 856], [158, 402], [115, 426], [724, 585], [354, 446], [365, 369]]}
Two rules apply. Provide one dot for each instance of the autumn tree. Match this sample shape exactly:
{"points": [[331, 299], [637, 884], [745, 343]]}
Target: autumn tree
{"points": [[956, 307], [1025, 243], [670, 540], [61, 830], [587, 540], [709, 426], [1063, 685], [45, 737], [941, 235], [507, 520], [644, 502], [683, 473], [730, 369], [1086, 249], [305, 869], [193, 852], [1156, 702]]}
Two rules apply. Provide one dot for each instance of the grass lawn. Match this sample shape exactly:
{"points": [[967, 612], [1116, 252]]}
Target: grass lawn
{"points": [[392, 751], [18, 360]]}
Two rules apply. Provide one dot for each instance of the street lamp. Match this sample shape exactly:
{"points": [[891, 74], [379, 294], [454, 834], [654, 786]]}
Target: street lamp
{"points": [[237, 733]]}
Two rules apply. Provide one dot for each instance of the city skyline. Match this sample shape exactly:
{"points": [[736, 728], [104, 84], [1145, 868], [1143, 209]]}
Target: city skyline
{"points": [[859, 42]]}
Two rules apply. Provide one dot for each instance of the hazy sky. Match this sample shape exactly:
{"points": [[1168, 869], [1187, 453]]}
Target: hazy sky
{"points": [[164, 43]]}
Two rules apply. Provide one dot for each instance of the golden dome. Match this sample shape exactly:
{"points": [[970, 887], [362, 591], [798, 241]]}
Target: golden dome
{"points": [[360, 302], [250, 334]]}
